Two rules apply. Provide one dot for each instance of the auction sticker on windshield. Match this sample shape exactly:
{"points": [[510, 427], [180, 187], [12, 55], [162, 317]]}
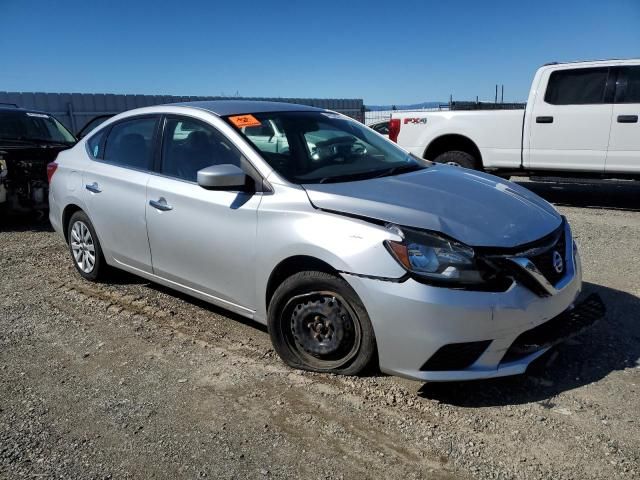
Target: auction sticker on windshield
{"points": [[244, 121]]}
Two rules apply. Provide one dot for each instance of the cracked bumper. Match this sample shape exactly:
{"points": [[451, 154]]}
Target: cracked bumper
{"points": [[412, 321]]}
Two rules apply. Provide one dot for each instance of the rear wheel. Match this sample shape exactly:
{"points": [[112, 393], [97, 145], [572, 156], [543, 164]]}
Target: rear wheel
{"points": [[457, 159], [84, 246], [318, 323]]}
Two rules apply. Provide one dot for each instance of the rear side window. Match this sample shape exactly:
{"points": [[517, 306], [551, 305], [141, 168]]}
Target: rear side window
{"points": [[581, 86], [628, 85], [95, 145], [130, 143]]}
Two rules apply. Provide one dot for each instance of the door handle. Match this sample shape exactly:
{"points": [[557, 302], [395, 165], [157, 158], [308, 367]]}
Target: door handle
{"points": [[160, 204], [544, 119], [627, 118], [93, 187]]}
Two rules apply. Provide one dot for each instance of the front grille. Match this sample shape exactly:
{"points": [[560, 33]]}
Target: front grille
{"points": [[568, 324], [508, 262], [455, 356], [545, 264]]}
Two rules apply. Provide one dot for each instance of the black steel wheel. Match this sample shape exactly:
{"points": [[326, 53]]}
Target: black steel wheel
{"points": [[318, 323]]}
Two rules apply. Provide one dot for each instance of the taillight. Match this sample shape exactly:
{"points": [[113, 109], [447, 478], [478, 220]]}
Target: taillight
{"points": [[51, 169], [394, 129]]}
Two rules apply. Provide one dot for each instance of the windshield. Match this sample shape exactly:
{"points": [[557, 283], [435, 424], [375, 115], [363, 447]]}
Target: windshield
{"points": [[23, 126], [322, 147]]}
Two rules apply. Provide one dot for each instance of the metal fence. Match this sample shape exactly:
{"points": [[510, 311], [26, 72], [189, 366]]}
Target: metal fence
{"points": [[74, 110]]}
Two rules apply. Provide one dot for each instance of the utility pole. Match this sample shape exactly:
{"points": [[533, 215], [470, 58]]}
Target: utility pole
{"points": [[502, 94]]}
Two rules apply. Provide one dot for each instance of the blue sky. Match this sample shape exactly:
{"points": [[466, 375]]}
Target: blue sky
{"points": [[393, 51]]}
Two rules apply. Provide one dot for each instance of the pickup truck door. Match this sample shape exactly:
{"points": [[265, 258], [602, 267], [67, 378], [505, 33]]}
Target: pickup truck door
{"points": [[570, 121], [624, 143]]}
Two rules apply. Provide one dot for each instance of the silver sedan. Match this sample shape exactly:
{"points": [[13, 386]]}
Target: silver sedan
{"points": [[350, 249]]}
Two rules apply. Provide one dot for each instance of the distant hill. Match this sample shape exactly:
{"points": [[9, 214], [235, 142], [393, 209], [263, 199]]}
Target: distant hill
{"points": [[413, 106]]}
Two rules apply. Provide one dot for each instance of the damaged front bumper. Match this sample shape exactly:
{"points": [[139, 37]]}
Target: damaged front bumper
{"points": [[430, 333]]}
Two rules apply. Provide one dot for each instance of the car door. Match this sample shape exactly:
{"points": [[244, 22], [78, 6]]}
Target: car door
{"points": [[569, 124], [201, 239], [623, 155], [115, 188]]}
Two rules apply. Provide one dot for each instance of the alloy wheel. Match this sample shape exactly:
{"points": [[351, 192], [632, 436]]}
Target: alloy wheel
{"points": [[82, 247]]}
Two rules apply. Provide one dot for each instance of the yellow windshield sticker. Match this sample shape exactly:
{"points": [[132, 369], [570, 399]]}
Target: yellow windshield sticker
{"points": [[244, 121]]}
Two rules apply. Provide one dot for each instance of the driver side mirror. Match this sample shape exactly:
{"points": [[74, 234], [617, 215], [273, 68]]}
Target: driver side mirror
{"points": [[222, 177]]}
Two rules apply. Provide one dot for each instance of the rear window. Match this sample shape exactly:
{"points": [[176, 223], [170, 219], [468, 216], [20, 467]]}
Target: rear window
{"points": [[583, 86], [34, 127]]}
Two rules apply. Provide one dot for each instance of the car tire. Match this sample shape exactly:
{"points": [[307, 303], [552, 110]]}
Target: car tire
{"points": [[84, 247], [317, 322], [458, 159]]}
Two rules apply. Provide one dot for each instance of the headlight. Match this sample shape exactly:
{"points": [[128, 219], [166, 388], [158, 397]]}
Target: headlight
{"points": [[435, 257]]}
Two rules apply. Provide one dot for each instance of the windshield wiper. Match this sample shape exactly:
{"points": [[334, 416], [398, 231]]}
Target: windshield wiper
{"points": [[350, 176], [400, 169]]}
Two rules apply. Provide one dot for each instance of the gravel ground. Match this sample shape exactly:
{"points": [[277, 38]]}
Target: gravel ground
{"points": [[131, 380]]}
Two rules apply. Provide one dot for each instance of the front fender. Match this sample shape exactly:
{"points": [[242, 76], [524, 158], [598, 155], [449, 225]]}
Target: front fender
{"points": [[288, 226]]}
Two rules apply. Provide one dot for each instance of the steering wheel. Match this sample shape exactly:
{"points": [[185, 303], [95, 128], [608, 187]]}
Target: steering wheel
{"points": [[329, 149]]}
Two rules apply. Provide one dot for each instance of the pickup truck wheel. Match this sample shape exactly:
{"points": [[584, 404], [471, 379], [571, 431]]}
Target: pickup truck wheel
{"points": [[317, 322], [457, 159]]}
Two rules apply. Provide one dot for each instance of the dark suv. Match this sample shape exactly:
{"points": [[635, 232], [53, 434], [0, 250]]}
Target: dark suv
{"points": [[29, 140]]}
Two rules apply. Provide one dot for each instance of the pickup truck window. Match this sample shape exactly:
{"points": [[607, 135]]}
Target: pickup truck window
{"points": [[580, 86], [628, 85]]}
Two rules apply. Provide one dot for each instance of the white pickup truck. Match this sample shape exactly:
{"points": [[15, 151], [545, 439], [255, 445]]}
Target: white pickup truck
{"points": [[581, 119]]}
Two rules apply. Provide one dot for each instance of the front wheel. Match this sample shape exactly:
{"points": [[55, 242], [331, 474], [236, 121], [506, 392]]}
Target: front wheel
{"points": [[318, 323], [457, 159]]}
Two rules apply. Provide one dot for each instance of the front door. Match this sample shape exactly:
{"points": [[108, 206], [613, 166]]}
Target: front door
{"points": [[201, 239]]}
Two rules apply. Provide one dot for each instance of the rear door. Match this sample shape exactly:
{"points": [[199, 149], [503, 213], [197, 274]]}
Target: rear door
{"points": [[115, 188], [624, 144], [201, 239], [570, 121]]}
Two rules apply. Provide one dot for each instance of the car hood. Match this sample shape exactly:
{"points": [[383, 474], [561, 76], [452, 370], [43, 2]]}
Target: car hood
{"points": [[475, 208]]}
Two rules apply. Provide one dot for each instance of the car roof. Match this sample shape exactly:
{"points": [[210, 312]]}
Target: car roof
{"points": [[239, 107]]}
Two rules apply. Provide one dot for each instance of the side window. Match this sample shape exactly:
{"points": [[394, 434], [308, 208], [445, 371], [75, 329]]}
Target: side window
{"points": [[94, 145], [190, 145], [628, 85], [130, 143], [582, 86]]}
